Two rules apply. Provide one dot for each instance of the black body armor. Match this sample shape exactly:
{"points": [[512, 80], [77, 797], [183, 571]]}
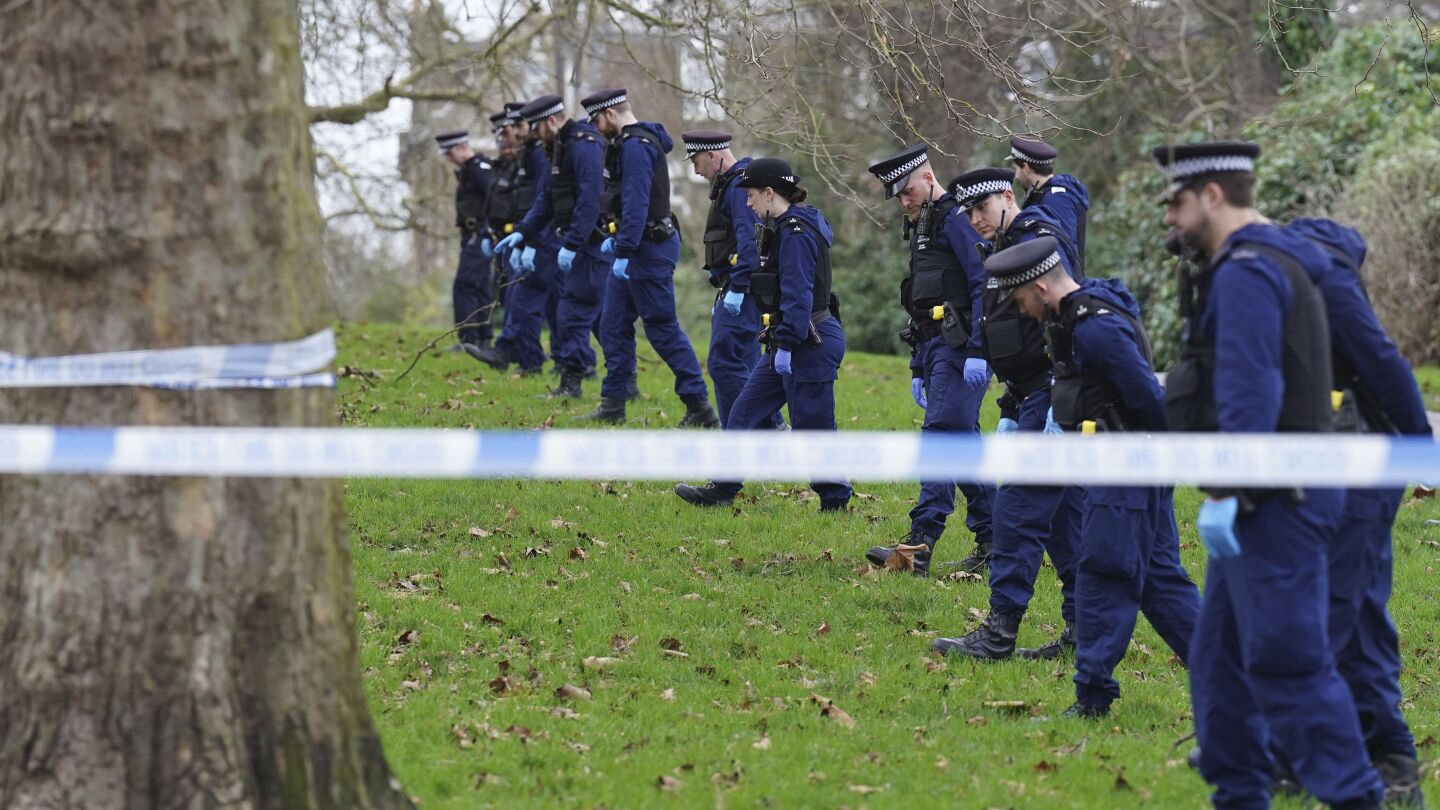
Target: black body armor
{"points": [[1075, 396]]}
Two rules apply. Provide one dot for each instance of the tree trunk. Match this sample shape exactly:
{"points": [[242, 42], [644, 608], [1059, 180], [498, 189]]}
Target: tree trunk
{"points": [[166, 642]]}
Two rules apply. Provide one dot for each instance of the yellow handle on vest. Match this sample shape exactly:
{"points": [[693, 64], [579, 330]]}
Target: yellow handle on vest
{"points": [[734, 259], [1336, 398], [765, 318], [509, 227], [1087, 428], [937, 313], [612, 227]]}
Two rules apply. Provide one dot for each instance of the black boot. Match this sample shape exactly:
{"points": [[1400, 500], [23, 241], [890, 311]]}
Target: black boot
{"points": [[978, 561], [993, 640], [1401, 775], [633, 392], [489, 355], [1086, 711], [877, 555], [611, 411], [569, 387], [698, 413], [1063, 645], [708, 495]]}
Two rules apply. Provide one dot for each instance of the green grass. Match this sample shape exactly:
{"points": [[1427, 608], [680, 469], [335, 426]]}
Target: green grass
{"points": [[479, 599]]}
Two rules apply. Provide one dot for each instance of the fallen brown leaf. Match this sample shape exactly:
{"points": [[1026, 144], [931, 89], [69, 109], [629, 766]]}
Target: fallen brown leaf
{"points": [[830, 710], [500, 685], [502, 561], [578, 553], [667, 783], [488, 619], [476, 531], [904, 557], [864, 790], [561, 523], [762, 744], [572, 692], [822, 629], [600, 662], [564, 713]]}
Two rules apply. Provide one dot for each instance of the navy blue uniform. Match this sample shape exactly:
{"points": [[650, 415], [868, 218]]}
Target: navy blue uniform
{"points": [[1030, 521], [649, 292], [1362, 635], [809, 390], [1261, 666], [1067, 200], [527, 293], [577, 176], [471, 293], [953, 405], [1129, 555], [734, 349]]}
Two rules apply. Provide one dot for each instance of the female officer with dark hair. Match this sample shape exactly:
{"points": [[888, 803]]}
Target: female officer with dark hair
{"points": [[803, 339]]}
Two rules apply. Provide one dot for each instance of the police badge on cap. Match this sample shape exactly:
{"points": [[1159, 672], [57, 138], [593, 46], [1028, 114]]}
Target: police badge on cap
{"points": [[970, 188], [704, 140], [1034, 152], [1019, 265], [769, 173], [603, 100], [895, 172], [1183, 163]]}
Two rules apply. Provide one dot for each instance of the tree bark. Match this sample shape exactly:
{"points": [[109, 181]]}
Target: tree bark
{"points": [[164, 642]]}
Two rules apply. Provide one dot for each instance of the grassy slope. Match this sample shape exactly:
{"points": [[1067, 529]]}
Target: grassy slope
{"points": [[769, 607]]}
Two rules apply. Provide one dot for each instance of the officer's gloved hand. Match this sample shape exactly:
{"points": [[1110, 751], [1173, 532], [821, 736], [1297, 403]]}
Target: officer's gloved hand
{"points": [[619, 268], [566, 258], [1216, 525], [527, 260], [1007, 425], [733, 300], [1051, 426], [511, 242], [782, 361], [487, 248], [917, 391], [607, 248], [977, 372]]}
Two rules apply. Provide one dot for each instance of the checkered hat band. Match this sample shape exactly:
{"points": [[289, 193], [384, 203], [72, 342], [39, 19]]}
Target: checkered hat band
{"points": [[905, 168], [1016, 154], [558, 108], [450, 143], [1012, 281], [1191, 167], [706, 146], [606, 104], [981, 189]]}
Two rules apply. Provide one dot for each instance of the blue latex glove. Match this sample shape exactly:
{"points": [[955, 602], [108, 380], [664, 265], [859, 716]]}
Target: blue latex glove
{"points": [[917, 390], [733, 300], [782, 361], [1007, 425], [566, 258], [1216, 525], [1051, 426], [511, 242], [487, 248], [527, 260], [619, 267], [607, 247], [977, 372]]}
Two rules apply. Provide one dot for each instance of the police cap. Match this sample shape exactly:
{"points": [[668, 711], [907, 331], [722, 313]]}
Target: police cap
{"points": [[450, 140], [602, 100], [769, 173], [1034, 152], [1183, 163], [972, 187], [704, 140], [512, 111], [895, 171], [542, 108], [1022, 264]]}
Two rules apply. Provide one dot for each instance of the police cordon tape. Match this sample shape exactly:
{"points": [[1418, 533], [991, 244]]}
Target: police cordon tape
{"points": [[1241, 460], [252, 365]]}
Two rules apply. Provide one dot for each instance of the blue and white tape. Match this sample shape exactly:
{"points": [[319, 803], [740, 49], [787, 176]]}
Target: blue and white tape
{"points": [[252, 365], [1234, 460]]}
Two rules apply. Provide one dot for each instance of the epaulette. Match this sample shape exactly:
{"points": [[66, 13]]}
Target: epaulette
{"points": [[796, 226]]}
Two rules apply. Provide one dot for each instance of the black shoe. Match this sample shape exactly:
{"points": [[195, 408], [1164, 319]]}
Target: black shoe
{"points": [[1401, 775], [978, 561], [878, 555], [1086, 711], [590, 373], [633, 391], [610, 411], [708, 495], [698, 413], [993, 640], [1062, 645], [834, 506], [489, 355], [1192, 758], [458, 347], [531, 372], [569, 387]]}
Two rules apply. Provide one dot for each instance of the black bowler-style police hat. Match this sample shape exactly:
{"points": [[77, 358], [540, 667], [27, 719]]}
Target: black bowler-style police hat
{"points": [[1034, 152], [542, 108], [973, 186], [895, 171], [1183, 163], [1022, 264], [769, 173], [512, 111], [450, 140], [704, 140], [603, 99]]}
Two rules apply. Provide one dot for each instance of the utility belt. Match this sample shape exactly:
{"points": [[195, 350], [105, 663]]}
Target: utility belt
{"points": [[655, 230], [718, 280], [1357, 413], [1109, 421], [940, 320], [1019, 390], [1250, 498], [770, 320], [501, 228]]}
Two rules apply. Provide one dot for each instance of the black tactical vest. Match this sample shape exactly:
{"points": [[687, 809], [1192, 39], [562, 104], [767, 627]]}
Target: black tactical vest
{"points": [[563, 183], [470, 200], [612, 202], [1305, 361], [511, 192], [1036, 197], [720, 243], [765, 280], [936, 276], [1077, 396]]}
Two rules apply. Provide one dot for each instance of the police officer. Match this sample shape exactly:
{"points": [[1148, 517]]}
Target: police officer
{"points": [[1129, 555], [730, 256], [1027, 521], [567, 204], [1064, 196], [644, 238], [526, 293], [802, 335], [470, 294], [1257, 360], [943, 294]]}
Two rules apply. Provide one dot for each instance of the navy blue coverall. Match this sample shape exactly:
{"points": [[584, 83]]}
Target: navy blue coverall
{"points": [[953, 405], [809, 390], [649, 292], [1261, 666], [582, 289], [528, 293], [1129, 555], [470, 294]]}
